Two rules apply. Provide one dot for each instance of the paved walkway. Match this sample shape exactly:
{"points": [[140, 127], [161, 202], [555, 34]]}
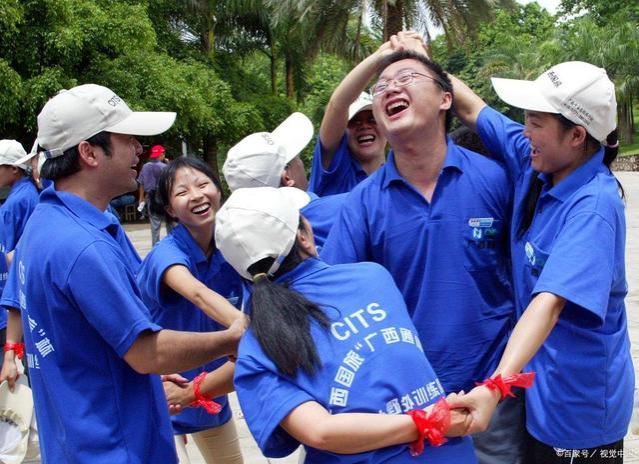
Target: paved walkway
{"points": [[141, 236]]}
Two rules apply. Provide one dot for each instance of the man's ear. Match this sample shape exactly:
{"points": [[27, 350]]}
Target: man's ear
{"points": [[286, 179], [578, 136], [87, 154]]}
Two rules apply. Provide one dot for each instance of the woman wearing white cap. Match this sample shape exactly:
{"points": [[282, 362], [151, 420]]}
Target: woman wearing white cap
{"points": [[567, 243], [331, 359], [14, 213]]}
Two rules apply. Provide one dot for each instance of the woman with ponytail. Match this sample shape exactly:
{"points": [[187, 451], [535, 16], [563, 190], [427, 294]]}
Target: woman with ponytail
{"points": [[331, 359], [567, 244], [187, 285]]}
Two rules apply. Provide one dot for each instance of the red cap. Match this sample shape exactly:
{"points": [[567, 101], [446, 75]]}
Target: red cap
{"points": [[156, 151]]}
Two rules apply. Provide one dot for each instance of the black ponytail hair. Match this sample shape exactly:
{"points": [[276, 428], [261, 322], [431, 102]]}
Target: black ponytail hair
{"points": [[611, 149], [281, 317]]}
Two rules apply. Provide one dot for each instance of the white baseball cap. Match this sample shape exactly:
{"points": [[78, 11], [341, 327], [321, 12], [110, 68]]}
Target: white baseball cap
{"points": [[79, 113], [258, 223], [579, 91], [259, 159], [363, 102], [12, 153], [16, 411]]}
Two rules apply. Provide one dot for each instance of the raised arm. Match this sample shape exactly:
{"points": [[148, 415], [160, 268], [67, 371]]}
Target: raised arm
{"points": [[214, 305], [336, 115], [466, 103]]}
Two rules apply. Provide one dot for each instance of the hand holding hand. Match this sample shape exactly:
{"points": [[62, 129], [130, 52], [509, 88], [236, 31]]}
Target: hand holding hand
{"points": [[481, 403]]}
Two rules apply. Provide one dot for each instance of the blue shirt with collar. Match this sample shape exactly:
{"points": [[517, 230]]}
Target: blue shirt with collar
{"points": [[448, 257], [344, 172], [371, 361], [81, 313], [172, 311], [14, 213], [574, 248], [322, 212]]}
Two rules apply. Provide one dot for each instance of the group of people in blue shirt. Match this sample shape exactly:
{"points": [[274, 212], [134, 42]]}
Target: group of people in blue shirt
{"points": [[377, 289]]}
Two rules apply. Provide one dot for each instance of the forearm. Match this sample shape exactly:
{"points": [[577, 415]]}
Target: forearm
{"points": [[169, 351], [215, 306], [350, 432], [532, 329], [14, 331], [216, 383], [466, 104]]}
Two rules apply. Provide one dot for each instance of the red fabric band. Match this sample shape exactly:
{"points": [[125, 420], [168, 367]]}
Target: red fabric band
{"points": [[431, 427], [201, 400], [18, 348], [505, 384]]}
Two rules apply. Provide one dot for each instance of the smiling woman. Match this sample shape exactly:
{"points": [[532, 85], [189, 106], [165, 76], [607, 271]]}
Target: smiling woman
{"points": [[187, 285]]}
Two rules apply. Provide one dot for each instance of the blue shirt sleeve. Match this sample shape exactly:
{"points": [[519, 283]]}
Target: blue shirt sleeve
{"points": [[257, 386], [149, 278], [10, 297], [504, 138], [579, 271], [104, 290], [321, 178], [348, 239]]}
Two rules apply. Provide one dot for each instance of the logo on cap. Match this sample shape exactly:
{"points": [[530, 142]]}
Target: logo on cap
{"points": [[114, 100]]}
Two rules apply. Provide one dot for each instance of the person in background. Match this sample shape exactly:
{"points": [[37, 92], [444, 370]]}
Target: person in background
{"points": [[148, 180], [272, 159], [15, 211]]}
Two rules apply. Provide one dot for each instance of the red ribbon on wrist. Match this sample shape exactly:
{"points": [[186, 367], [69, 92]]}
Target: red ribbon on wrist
{"points": [[18, 348], [201, 400], [505, 384], [431, 427]]}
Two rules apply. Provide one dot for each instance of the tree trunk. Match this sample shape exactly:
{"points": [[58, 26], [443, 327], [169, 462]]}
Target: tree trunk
{"points": [[273, 65], [395, 18], [290, 83], [625, 123], [209, 147]]}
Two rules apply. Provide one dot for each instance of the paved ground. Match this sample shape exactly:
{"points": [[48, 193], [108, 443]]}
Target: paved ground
{"points": [[141, 236]]}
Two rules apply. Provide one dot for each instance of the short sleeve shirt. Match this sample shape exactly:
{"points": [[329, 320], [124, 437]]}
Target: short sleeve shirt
{"points": [[372, 361], [81, 312], [173, 311], [573, 248], [150, 174], [344, 172], [322, 212], [449, 257]]}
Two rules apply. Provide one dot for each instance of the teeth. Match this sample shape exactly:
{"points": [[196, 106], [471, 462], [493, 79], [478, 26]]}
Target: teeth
{"points": [[200, 209], [366, 138], [396, 107]]}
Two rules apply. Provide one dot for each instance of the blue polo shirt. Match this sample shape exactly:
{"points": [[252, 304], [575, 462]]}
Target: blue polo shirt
{"points": [[372, 361], [322, 212], [10, 295], [172, 311], [448, 257], [81, 312], [574, 248], [344, 172], [14, 213]]}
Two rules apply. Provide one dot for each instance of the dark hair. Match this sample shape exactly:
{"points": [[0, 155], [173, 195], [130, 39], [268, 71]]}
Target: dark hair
{"points": [[611, 149], [442, 78], [280, 318], [464, 137], [69, 163], [167, 178]]}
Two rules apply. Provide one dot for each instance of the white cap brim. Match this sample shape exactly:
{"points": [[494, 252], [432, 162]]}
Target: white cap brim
{"points": [[522, 94], [25, 159], [144, 123], [298, 198], [293, 134]]}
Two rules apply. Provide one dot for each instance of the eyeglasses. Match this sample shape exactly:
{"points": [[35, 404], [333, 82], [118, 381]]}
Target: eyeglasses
{"points": [[403, 79]]}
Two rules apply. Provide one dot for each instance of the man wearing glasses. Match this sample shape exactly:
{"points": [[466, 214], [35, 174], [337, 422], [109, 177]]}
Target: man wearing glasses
{"points": [[436, 216]]}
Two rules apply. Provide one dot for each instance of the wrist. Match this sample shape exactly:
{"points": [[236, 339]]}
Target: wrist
{"points": [[16, 349]]}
